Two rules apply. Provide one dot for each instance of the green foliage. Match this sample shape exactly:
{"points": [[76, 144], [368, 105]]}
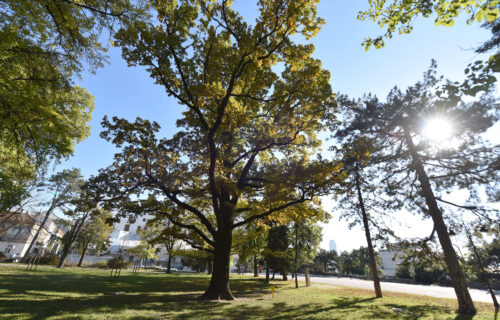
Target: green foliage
{"points": [[357, 261], [118, 263], [465, 162], [328, 260], [197, 260], [144, 250], [278, 255], [420, 271], [103, 264], [49, 259], [399, 15], [95, 232], [254, 100], [306, 237], [43, 47], [163, 233], [250, 242], [489, 252]]}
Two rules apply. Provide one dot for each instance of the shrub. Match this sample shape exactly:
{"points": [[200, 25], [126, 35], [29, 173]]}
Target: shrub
{"points": [[425, 273], [117, 263], [49, 259], [3, 256], [103, 264], [404, 271], [428, 274]]}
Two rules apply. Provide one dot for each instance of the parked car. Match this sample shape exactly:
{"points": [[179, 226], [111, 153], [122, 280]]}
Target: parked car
{"points": [[444, 280]]}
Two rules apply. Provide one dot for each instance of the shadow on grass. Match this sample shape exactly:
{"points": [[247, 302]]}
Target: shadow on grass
{"points": [[76, 294], [80, 294], [348, 307]]}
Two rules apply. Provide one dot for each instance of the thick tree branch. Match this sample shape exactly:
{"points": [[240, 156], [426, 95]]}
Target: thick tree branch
{"points": [[270, 211], [194, 228], [170, 195], [194, 245]]}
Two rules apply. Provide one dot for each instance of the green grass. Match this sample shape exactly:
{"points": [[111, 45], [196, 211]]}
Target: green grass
{"points": [[50, 293]]}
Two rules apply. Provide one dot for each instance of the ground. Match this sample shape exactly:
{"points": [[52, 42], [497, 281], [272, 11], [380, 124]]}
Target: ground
{"points": [[479, 295], [50, 293]]}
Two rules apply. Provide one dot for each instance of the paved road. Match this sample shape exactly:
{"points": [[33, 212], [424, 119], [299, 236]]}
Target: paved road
{"points": [[433, 291]]}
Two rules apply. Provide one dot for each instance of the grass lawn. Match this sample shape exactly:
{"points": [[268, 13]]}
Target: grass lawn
{"points": [[50, 293]]}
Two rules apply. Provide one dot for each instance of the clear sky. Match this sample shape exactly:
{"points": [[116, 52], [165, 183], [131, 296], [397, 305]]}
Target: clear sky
{"points": [[129, 92]]}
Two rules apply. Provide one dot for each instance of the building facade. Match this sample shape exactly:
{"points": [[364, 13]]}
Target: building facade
{"points": [[390, 261], [333, 245], [126, 235], [20, 230]]}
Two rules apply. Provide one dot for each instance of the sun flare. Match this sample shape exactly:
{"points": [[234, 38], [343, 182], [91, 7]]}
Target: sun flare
{"points": [[438, 130]]}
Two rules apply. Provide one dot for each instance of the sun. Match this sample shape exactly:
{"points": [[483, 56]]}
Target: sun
{"points": [[438, 130]]}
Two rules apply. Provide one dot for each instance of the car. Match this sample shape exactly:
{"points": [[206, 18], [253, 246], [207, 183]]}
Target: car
{"points": [[444, 280]]}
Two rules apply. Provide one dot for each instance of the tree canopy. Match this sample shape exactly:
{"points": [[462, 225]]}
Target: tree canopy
{"points": [[399, 15], [418, 170], [44, 45], [254, 101]]}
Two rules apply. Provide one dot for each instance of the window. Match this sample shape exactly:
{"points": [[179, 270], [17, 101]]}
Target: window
{"points": [[139, 228], [143, 219], [127, 227]]}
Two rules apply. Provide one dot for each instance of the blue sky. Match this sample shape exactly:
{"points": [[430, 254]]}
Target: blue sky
{"points": [[129, 92]]}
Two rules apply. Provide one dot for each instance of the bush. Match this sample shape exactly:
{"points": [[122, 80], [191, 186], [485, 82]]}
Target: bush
{"points": [[3, 256], [117, 263], [49, 259], [103, 264], [404, 271], [420, 272], [428, 274]]}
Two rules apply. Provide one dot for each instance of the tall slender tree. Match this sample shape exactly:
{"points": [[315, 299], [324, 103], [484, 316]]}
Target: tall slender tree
{"points": [[419, 167], [94, 234], [63, 187]]}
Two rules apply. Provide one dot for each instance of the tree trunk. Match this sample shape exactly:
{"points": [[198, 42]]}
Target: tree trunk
{"points": [[219, 283], [267, 272], [74, 233], [484, 275], [308, 279], [169, 263], [63, 256], [283, 270], [296, 254], [274, 273], [42, 225], [255, 270], [465, 304], [83, 254], [296, 279], [210, 268], [373, 263]]}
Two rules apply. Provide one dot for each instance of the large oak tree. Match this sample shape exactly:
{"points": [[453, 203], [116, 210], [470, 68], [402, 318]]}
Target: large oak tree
{"points": [[253, 103]]}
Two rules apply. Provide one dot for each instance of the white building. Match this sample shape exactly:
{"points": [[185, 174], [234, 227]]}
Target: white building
{"points": [[126, 236], [390, 261], [333, 245], [20, 230]]}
